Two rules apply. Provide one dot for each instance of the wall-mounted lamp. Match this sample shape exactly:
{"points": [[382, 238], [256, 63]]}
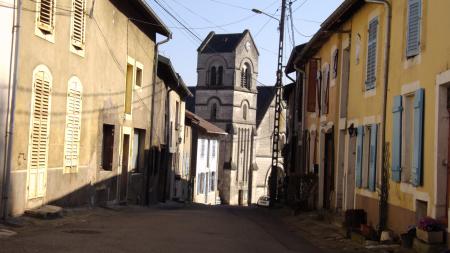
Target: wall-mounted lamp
{"points": [[352, 131]]}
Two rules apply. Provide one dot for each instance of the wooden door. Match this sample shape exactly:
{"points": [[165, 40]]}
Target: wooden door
{"points": [[124, 173], [448, 166], [328, 171]]}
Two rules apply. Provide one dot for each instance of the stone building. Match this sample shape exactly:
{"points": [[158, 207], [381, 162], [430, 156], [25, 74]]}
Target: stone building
{"points": [[228, 96]]}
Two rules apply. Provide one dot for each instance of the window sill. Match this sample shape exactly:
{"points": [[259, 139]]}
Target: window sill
{"points": [[77, 51], [412, 61], [370, 93], [50, 37]]}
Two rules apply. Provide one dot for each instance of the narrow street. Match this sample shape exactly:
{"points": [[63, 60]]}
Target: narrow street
{"points": [[162, 229]]}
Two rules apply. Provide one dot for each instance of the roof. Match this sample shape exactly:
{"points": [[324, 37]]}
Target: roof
{"points": [[287, 90], [140, 13], [190, 101], [167, 73], [290, 64], [222, 43], [264, 99], [327, 29], [204, 125]]}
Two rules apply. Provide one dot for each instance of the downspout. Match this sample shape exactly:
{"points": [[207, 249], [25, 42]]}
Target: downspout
{"points": [[383, 205], [152, 118], [12, 108]]}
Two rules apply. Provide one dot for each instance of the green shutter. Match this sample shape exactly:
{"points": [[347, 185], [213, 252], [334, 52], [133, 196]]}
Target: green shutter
{"points": [[397, 138], [359, 156], [413, 29], [372, 54], [417, 167], [373, 157]]}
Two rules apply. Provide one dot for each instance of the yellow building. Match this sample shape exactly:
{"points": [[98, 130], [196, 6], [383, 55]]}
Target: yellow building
{"points": [[392, 74]]}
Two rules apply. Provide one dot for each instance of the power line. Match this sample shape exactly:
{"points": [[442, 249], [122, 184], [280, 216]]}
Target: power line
{"points": [[302, 34], [298, 7], [198, 15], [231, 5]]}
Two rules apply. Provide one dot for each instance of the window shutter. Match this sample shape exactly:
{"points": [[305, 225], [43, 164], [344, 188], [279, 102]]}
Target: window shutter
{"points": [[312, 82], [372, 54], [46, 15], [413, 29], [359, 156], [417, 167], [335, 63], [397, 138], [326, 88], [73, 127], [78, 23], [373, 157], [39, 138]]}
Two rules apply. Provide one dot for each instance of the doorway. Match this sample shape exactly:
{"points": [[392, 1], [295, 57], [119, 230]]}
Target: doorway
{"points": [[349, 174], [124, 172], [328, 183]]}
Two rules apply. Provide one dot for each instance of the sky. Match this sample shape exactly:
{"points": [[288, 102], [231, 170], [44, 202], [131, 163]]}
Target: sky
{"points": [[234, 16]]}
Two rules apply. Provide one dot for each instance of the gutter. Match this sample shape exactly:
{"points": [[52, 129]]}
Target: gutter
{"points": [[152, 119], [12, 108], [383, 205]]}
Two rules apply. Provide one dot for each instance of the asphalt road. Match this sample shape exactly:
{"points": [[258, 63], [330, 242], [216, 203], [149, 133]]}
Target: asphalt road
{"points": [[164, 229]]}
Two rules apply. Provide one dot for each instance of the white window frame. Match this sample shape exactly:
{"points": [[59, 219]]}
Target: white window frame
{"points": [[39, 29], [76, 48]]}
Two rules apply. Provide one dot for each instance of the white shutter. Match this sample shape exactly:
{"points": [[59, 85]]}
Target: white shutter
{"points": [[46, 15], [78, 23], [73, 127], [39, 134]]}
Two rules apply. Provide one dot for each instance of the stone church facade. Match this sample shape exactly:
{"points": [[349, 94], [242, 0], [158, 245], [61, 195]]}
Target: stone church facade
{"points": [[227, 95]]}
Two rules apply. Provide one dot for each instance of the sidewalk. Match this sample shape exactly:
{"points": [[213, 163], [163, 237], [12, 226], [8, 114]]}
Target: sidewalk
{"points": [[325, 234]]}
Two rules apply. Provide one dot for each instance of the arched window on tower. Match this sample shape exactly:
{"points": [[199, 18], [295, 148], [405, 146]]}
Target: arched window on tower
{"points": [[220, 76], [213, 77], [246, 76], [213, 112], [244, 112]]}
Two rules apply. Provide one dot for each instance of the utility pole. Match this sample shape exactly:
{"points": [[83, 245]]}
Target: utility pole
{"points": [[273, 179]]}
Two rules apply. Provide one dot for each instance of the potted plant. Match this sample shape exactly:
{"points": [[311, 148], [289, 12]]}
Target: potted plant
{"points": [[430, 230]]}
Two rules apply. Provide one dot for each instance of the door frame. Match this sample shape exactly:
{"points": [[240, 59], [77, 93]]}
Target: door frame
{"points": [[125, 131]]}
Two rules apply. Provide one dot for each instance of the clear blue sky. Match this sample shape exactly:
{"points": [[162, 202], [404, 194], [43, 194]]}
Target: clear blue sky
{"points": [[234, 16]]}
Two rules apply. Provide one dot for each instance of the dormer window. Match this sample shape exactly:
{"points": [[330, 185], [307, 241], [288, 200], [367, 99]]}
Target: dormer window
{"points": [[246, 76]]}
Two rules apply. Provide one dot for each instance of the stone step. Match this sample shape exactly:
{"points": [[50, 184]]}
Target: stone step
{"points": [[45, 212]]}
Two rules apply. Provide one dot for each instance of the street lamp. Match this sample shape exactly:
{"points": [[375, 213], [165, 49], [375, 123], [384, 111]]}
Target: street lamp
{"points": [[268, 15]]}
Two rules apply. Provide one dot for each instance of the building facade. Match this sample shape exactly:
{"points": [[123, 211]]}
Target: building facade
{"points": [[227, 95], [81, 133], [391, 117]]}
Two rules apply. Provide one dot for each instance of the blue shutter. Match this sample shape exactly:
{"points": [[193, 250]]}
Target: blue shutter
{"points": [[359, 156], [371, 54], [373, 157], [417, 167], [413, 29], [397, 138]]}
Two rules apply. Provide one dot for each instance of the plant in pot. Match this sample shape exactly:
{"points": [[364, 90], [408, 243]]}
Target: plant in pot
{"points": [[430, 230]]}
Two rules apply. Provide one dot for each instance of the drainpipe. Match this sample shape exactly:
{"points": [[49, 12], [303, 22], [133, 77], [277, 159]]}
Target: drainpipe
{"points": [[155, 73], [383, 205], [12, 108]]}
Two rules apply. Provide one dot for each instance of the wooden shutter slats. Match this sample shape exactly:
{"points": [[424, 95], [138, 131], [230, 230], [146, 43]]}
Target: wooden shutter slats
{"points": [[413, 29], [78, 23], [46, 15], [312, 82], [73, 126], [371, 54]]}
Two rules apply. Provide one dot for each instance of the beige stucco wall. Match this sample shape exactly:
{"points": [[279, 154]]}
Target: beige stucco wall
{"points": [[110, 39]]}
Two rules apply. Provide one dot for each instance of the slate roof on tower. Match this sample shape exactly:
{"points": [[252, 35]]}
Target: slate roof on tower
{"points": [[264, 99], [222, 43]]}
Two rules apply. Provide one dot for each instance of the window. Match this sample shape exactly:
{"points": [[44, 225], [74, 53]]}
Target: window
{"points": [[137, 155], [408, 137], [107, 147], [212, 184], [244, 112], [213, 79], [129, 88], [139, 75], [78, 24], [335, 63], [46, 16], [366, 156], [202, 148], [40, 130], [325, 89], [413, 28], [213, 148], [312, 85], [246, 76], [177, 115], [73, 126], [220, 76], [213, 112], [201, 183], [371, 54]]}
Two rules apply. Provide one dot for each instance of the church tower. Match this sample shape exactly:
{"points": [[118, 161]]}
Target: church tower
{"points": [[226, 95]]}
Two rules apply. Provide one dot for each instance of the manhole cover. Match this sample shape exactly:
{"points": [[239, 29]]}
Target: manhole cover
{"points": [[82, 231]]}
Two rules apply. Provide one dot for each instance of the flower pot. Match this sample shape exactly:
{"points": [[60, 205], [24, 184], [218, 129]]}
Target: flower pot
{"points": [[430, 237]]}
